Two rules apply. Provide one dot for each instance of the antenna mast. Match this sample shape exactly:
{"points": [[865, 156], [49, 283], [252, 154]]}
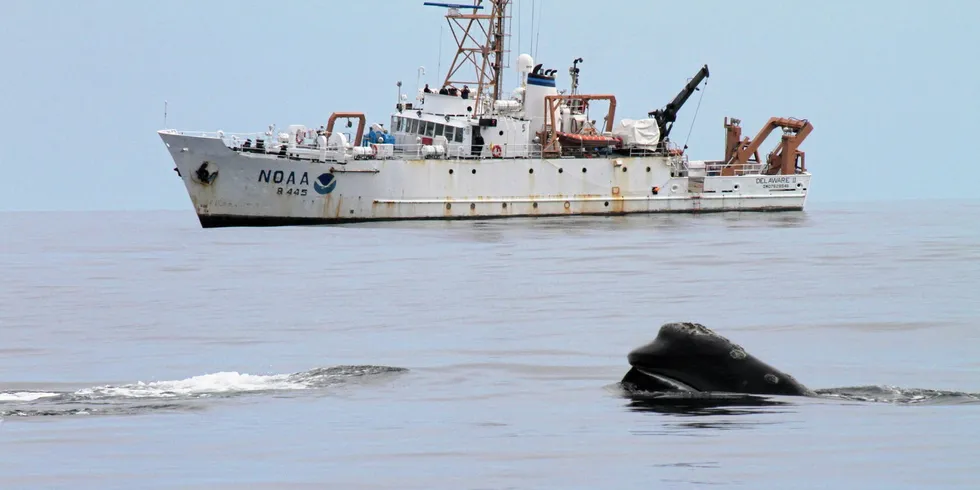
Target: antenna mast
{"points": [[481, 44]]}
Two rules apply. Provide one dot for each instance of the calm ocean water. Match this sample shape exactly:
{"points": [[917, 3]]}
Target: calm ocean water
{"points": [[140, 351]]}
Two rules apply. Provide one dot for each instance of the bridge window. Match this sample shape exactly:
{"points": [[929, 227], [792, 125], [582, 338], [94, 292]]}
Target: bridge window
{"points": [[427, 128]]}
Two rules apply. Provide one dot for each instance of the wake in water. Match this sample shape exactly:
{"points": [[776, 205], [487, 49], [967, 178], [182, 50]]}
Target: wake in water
{"points": [[174, 395], [900, 396], [707, 403]]}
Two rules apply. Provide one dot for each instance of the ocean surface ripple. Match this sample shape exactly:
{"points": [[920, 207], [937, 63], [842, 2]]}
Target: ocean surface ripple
{"points": [[139, 351]]}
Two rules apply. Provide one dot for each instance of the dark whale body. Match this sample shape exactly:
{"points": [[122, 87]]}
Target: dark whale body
{"points": [[689, 357]]}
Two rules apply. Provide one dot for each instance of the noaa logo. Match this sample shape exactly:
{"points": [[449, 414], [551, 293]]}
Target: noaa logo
{"points": [[325, 184]]}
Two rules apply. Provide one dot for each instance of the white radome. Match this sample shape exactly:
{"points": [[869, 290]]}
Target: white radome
{"points": [[525, 63]]}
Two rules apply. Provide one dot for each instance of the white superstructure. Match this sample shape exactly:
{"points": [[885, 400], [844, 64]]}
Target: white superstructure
{"points": [[467, 151]]}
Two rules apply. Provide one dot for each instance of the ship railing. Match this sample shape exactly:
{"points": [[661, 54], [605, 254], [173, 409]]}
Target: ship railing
{"points": [[233, 140], [226, 135], [270, 142], [713, 168], [672, 151], [462, 151]]}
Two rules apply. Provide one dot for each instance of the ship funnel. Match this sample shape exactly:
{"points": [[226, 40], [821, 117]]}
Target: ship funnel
{"points": [[539, 86]]}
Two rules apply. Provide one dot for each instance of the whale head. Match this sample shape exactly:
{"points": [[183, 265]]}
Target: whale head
{"points": [[691, 357]]}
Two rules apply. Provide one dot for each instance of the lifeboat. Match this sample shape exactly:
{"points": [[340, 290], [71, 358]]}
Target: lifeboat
{"points": [[588, 140]]}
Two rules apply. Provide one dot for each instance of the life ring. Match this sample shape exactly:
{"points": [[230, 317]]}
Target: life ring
{"points": [[496, 150], [300, 136]]}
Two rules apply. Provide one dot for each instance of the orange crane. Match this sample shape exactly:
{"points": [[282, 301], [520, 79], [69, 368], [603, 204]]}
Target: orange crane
{"points": [[784, 159]]}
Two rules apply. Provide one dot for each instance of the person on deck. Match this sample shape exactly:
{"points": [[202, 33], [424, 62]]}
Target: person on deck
{"points": [[465, 92]]}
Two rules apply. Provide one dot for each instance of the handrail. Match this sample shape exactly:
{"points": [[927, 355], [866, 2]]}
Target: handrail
{"points": [[222, 134], [744, 170], [454, 151], [715, 168]]}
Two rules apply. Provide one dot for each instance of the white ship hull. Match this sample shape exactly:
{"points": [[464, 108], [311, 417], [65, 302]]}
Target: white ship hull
{"points": [[265, 189], [468, 149]]}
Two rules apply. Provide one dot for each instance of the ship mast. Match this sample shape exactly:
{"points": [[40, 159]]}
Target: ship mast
{"points": [[481, 45]]}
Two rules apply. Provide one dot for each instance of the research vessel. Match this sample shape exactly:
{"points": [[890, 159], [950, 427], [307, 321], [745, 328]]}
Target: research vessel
{"points": [[468, 149]]}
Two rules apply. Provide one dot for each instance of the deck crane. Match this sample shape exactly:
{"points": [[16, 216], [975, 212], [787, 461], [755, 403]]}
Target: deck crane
{"points": [[668, 114]]}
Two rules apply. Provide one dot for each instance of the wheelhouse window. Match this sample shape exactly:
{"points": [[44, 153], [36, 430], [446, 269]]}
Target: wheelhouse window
{"points": [[428, 128]]}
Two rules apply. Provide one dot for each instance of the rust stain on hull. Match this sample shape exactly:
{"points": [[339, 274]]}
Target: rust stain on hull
{"points": [[618, 205]]}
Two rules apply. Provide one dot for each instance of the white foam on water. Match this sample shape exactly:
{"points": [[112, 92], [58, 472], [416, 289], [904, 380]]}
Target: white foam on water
{"points": [[207, 384], [202, 386], [24, 396]]}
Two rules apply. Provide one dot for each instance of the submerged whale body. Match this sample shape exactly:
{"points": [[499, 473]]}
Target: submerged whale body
{"points": [[689, 357]]}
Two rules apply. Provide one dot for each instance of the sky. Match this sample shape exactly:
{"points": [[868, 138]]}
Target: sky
{"points": [[891, 88]]}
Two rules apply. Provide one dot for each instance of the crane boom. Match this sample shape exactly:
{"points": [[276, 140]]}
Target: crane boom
{"points": [[665, 117]]}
